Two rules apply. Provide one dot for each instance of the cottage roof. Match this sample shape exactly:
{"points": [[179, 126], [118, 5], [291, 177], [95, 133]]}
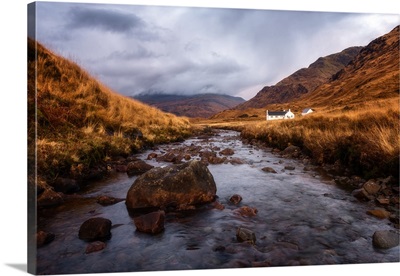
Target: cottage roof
{"points": [[277, 113], [306, 110]]}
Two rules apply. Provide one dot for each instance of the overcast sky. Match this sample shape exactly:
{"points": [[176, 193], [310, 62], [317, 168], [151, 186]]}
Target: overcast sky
{"points": [[135, 49]]}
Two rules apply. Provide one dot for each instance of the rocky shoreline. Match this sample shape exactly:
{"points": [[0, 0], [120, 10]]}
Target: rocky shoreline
{"points": [[381, 196]]}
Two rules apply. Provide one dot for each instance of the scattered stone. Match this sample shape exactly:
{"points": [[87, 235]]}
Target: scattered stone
{"points": [[219, 248], [292, 151], [227, 151], [236, 161], [245, 235], [95, 229], [372, 187], [108, 200], [217, 205], [235, 199], [49, 198], [95, 246], [290, 168], [383, 200], [379, 213], [216, 160], [189, 183], [121, 168], [268, 170], [152, 223], [361, 194], [385, 239], [43, 238], [187, 157], [246, 211], [168, 157], [65, 185], [138, 167], [152, 156]]}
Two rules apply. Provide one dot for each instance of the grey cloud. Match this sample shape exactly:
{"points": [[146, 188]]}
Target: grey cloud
{"points": [[104, 19]]}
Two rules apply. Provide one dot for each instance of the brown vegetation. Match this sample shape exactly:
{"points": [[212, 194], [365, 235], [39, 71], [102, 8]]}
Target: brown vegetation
{"points": [[75, 122], [365, 141]]}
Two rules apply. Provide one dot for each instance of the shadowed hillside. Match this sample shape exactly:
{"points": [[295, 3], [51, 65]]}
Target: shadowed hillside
{"points": [[81, 123], [302, 81], [199, 105], [372, 75]]}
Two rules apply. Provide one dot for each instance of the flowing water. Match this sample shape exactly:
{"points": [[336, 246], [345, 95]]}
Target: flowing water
{"points": [[302, 219]]}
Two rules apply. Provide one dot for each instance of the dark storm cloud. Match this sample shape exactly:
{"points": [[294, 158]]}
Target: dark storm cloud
{"points": [[104, 19]]}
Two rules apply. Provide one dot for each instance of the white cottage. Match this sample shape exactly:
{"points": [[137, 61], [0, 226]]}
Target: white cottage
{"points": [[306, 111], [279, 115]]}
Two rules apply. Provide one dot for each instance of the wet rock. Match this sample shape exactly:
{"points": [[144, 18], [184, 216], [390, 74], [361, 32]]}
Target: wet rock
{"points": [[219, 248], [65, 185], [95, 229], [49, 198], [216, 160], [138, 167], [187, 157], [246, 211], [383, 200], [189, 183], [227, 151], [372, 187], [168, 157], [268, 170], [235, 199], [290, 168], [152, 156], [379, 213], [385, 239], [108, 200], [43, 238], [292, 151], [236, 161], [206, 154], [121, 168], [361, 194], [217, 205], [152, 223], [245, 235], [95, 247]]}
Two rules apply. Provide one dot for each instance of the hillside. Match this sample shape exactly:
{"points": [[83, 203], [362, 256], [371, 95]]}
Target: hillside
{"points": [[80, 122], [302, 81], [199, 105], [371, 76]]}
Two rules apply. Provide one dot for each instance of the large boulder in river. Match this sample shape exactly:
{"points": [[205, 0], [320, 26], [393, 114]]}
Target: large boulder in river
{"points": [[95, 229], [176, 186]]}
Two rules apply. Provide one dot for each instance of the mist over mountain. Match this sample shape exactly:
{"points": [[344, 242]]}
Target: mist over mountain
{"points": [[198, 105]]}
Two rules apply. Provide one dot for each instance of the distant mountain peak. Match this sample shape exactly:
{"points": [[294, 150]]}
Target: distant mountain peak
{"points": [[197, 105]]}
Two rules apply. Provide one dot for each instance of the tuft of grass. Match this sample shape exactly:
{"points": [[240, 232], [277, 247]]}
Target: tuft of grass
{"points": [[74, 121]]}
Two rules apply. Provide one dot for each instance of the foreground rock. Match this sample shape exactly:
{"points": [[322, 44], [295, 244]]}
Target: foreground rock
{"points": [[174, 186], [152, 223], [385, 239], [95, 246], [49, 198], [245, 235], [95, 229], [268, 170], [43, 238], [235, 199]]}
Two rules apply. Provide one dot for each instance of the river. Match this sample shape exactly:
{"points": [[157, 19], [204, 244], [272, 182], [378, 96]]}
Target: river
{"points": [[303, 219]]}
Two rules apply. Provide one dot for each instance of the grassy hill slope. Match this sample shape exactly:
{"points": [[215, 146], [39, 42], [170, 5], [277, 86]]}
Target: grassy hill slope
{"points": [[75, 122]]}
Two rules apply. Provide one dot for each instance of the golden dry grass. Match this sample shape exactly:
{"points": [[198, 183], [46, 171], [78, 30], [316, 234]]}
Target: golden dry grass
{"points": [[365, 140], [73, 119]]}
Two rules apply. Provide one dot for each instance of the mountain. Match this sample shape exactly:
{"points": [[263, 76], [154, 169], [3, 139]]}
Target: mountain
{"points": [[372, 75], [302, 81], [199, 105]]}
